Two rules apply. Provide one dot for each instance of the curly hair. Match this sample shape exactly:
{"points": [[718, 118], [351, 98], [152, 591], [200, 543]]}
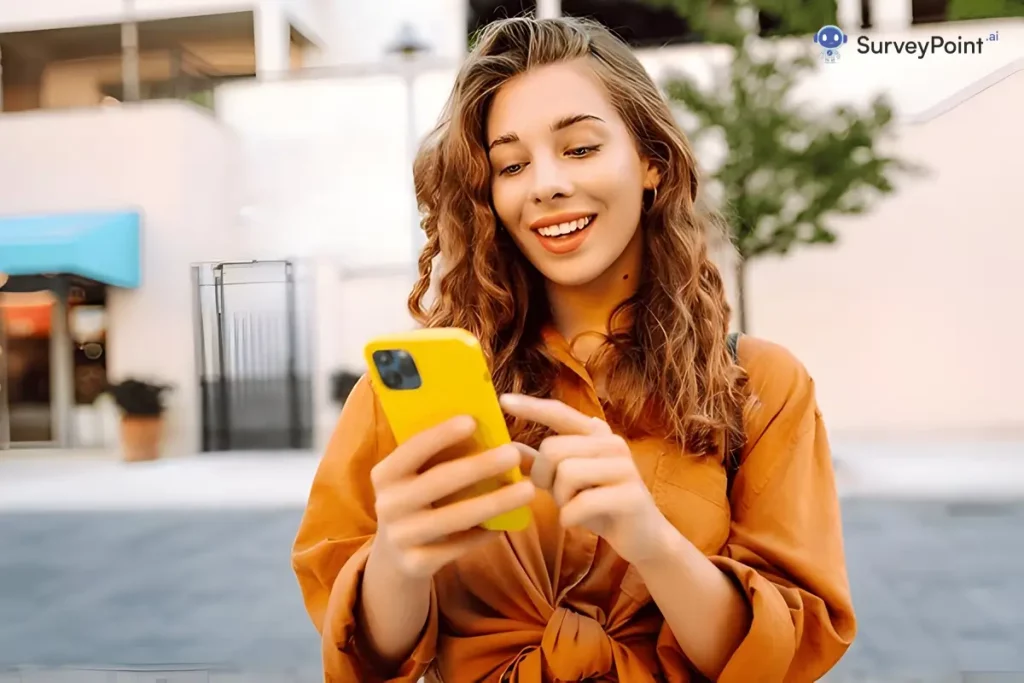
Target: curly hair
{"points": [[668, 371]]}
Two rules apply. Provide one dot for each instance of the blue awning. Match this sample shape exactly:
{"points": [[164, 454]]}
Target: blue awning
{"points": [[99, 246]]}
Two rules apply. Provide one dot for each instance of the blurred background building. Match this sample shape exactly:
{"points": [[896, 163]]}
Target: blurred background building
{"points": [[217, 194]]}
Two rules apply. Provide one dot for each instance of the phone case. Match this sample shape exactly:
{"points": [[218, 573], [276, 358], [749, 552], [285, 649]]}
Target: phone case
{"points": [[454, 380]]}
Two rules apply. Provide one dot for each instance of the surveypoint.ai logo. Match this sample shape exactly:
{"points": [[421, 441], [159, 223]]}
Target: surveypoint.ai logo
{"points": [[831, 38]]}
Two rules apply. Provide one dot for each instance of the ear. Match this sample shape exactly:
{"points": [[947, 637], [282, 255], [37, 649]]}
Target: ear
{"points": [[652, 175]]}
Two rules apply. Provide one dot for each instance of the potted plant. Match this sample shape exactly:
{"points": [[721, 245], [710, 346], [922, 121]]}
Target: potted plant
{"points": [[142, 417]]}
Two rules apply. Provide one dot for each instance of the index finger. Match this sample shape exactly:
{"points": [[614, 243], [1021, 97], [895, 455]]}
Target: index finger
{"points": [[553, 414], [410, 456]]}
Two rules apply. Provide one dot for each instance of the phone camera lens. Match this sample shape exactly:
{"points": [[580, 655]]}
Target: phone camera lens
{"points": [[397, 369], [406, 366]]}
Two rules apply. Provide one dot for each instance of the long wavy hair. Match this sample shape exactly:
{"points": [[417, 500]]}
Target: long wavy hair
{"points": [[668, 370]]}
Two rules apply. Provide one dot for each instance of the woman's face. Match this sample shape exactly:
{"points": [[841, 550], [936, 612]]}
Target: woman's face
{"points": [[567, 179]]}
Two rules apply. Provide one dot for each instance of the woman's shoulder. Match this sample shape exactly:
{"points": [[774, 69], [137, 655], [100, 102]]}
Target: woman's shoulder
{"points": [[767, 361], [361, 427], [779, 382]]}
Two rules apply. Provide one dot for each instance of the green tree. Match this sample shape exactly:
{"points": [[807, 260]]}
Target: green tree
{"points": [[959, 10], [788, 168]]}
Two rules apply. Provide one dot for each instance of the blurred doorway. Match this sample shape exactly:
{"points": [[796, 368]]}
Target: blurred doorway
{"points": [[26, 323]]}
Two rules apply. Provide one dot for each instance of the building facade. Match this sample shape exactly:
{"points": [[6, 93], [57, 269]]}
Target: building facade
{"points": [[242, 233]]}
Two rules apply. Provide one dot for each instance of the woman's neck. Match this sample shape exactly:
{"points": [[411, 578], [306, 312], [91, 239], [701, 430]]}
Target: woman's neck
{"points": [[583, 309]]}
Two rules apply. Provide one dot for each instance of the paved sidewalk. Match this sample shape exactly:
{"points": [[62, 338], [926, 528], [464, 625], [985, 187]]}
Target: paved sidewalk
{"points": [[937, 588], [977, 470], [185, 562]]}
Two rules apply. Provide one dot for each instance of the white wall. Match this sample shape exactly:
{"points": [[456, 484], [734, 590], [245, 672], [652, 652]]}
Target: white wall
{"points": [[352, 307], [175, 164], [359, 32], [910, 323], [328, 162]]}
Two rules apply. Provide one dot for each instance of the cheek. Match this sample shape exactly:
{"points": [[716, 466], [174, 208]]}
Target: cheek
{"points": [[617, 176], [505, 205], [623, 190], [508, 209]]}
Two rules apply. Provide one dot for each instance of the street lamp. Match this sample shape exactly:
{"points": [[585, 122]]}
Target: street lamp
{"points": [[409, 46], [408, 43]]}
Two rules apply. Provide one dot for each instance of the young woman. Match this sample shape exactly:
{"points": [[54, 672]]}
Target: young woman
{"points": [[558, 196]]}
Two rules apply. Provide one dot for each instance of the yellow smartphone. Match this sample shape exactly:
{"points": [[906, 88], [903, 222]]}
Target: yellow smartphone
{"points": [[427, 376]]}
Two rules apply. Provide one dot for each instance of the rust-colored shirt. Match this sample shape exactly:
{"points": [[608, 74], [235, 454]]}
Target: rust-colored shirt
{"points": [[550, 604]]}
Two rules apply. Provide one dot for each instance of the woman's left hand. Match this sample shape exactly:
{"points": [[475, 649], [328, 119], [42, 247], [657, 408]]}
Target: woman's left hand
{"points": [[590, 473]]}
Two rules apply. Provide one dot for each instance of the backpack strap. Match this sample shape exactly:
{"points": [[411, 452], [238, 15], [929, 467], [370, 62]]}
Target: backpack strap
{"points": [[733, 342], [732, 458]]}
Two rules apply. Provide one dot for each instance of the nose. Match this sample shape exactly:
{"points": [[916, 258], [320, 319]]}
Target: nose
{"points": [[550, 181]]}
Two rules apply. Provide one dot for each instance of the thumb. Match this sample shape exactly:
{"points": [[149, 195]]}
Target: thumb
{"points": [[529, 456]]}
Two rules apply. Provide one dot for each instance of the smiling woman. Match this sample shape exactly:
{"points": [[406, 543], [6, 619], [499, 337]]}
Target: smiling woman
{"points": [[565, 170], [559, 195]]}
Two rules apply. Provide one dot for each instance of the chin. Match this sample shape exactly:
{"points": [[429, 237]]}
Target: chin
{"points": [[571, 276]]}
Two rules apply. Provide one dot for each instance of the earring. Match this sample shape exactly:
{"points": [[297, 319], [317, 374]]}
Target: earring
{"points": [[654, 198]]}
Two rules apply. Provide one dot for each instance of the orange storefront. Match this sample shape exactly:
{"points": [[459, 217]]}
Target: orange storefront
{"points": [[53, 355]]}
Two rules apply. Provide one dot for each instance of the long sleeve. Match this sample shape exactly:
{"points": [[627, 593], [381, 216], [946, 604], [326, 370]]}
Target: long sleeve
{"points": [[334, 538], [785, 546]]}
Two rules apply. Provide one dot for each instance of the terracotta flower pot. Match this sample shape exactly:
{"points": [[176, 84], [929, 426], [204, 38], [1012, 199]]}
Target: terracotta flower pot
{"points": [[140, 438]]}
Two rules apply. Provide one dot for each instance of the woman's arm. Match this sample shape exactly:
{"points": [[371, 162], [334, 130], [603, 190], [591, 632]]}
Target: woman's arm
{"points": [[779, 608], [365, 620], [705, 611], [392, 610]]}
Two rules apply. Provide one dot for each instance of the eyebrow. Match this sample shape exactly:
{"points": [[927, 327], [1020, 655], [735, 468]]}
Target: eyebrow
{"points": [[560, 124]]}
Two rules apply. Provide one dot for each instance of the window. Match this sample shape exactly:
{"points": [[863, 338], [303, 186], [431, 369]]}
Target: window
{"points": [[932, 11], [929, 11], [483, 12], [637, 22], [808, 17], [197, 89], [865, 13], [642, 23]]}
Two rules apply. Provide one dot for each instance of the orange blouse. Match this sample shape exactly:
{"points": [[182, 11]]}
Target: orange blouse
{"points": [[553, 604]]}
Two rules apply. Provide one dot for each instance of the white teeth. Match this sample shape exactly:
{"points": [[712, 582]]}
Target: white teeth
{"points": [[564, 228]]}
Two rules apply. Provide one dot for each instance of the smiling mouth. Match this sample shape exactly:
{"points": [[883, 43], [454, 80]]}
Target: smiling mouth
{"points": [[563, 230]]}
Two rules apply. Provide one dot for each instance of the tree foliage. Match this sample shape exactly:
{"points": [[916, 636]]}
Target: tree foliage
{"points": [[788, 168], [722, 21]]}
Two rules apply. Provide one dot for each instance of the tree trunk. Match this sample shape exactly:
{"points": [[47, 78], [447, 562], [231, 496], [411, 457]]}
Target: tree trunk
{"points": [[741, 292]]}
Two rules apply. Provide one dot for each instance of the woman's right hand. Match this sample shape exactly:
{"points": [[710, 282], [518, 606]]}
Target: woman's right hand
{"points": [[418, 538]]}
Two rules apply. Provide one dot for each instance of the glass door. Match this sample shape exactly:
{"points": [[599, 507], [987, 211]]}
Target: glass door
{"points": [[27, 322]]}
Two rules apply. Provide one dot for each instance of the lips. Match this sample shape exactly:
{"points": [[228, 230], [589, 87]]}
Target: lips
{"points": [[566, 235]]}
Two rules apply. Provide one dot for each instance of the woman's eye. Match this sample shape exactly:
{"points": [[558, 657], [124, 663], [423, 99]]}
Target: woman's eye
{"points": [[512, 170], [581, 151]]}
